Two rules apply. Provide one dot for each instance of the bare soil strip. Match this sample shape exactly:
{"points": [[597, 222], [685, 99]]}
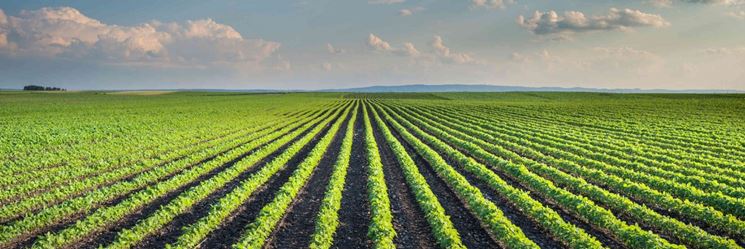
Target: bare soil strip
{"points": [[530, 228], [107, 236], [354, 215], [232, 228], [468, 226], [172, 231], [27, 241], [598, 233], [412, 229], [119, 166], [297, 226]]}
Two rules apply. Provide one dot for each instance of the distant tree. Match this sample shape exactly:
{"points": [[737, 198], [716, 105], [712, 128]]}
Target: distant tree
{"points": [[42, 88]]}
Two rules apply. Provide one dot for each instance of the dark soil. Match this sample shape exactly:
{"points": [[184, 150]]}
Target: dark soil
{"points": [[106, 237], [297, 226], [469, 227], [84, 192], [412, 229], [232, 228], [26, 241], [531, 229], [354, 215], [172, 231], [662, 233]]}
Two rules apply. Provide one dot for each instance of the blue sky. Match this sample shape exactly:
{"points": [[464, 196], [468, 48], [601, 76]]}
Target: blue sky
{"points": [[674, 44]]}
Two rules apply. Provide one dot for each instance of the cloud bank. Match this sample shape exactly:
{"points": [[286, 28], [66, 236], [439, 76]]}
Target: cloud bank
{"points": [[446, 55], [64, 32], [737, 14], [551, 23], [439, 52], [378, 44]]}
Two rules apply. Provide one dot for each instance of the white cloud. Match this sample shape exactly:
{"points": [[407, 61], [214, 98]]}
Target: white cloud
{"points": [[551, 23], [333, 49], [490, 4], [409, 50], [378, 44], [439, 52], [385, 1], [409, 11], [444, 53], [737, 14], [3, 30], [65, 32]]}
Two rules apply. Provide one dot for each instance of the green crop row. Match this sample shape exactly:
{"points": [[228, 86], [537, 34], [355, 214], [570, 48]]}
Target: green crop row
{"points": [[77, 188], [442, 228], [167, 150], [691, 235], [695, 174], [29, 204], [546, 217], [694, 211], [129, 237], [631, 235], [39, 182], [683, 152], [641, 160], [381, 229], [669, 138], [266, 221], [103, 218], [27, 226], [327, 220], [499, 226]]}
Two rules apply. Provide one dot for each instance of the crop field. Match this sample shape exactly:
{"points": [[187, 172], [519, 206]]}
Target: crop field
{"points": [[342, 170]]}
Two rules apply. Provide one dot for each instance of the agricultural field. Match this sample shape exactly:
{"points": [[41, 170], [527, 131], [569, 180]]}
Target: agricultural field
{"points": [[342, 170]]}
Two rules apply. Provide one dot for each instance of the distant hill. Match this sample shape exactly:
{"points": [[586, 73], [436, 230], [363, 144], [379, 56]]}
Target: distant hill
{"points": [[437, 88], [495, 88]]}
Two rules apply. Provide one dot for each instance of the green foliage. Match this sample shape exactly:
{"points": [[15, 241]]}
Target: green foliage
{"points": [[328, 216], [381, 227], [488, 213], [442, 228], [693, 235], [259, 230], [644, 170]]}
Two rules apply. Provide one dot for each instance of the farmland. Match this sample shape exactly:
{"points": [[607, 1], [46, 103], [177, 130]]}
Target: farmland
{"points": [[342, 170]]}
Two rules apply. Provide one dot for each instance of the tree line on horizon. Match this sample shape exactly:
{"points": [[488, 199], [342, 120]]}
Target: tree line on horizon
{"points": [[42, 88]]}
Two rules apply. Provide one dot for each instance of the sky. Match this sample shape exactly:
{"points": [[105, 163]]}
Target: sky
{"points": [[324, 44]]}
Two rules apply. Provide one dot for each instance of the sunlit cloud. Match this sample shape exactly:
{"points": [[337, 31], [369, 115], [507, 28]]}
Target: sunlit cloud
{"points": [[334, 50], [552, 23], [446, 55], [737, 14], [67, 33]]}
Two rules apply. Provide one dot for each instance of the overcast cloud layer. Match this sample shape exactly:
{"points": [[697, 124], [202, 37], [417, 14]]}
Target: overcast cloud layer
{"points": [[674, 44]]}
